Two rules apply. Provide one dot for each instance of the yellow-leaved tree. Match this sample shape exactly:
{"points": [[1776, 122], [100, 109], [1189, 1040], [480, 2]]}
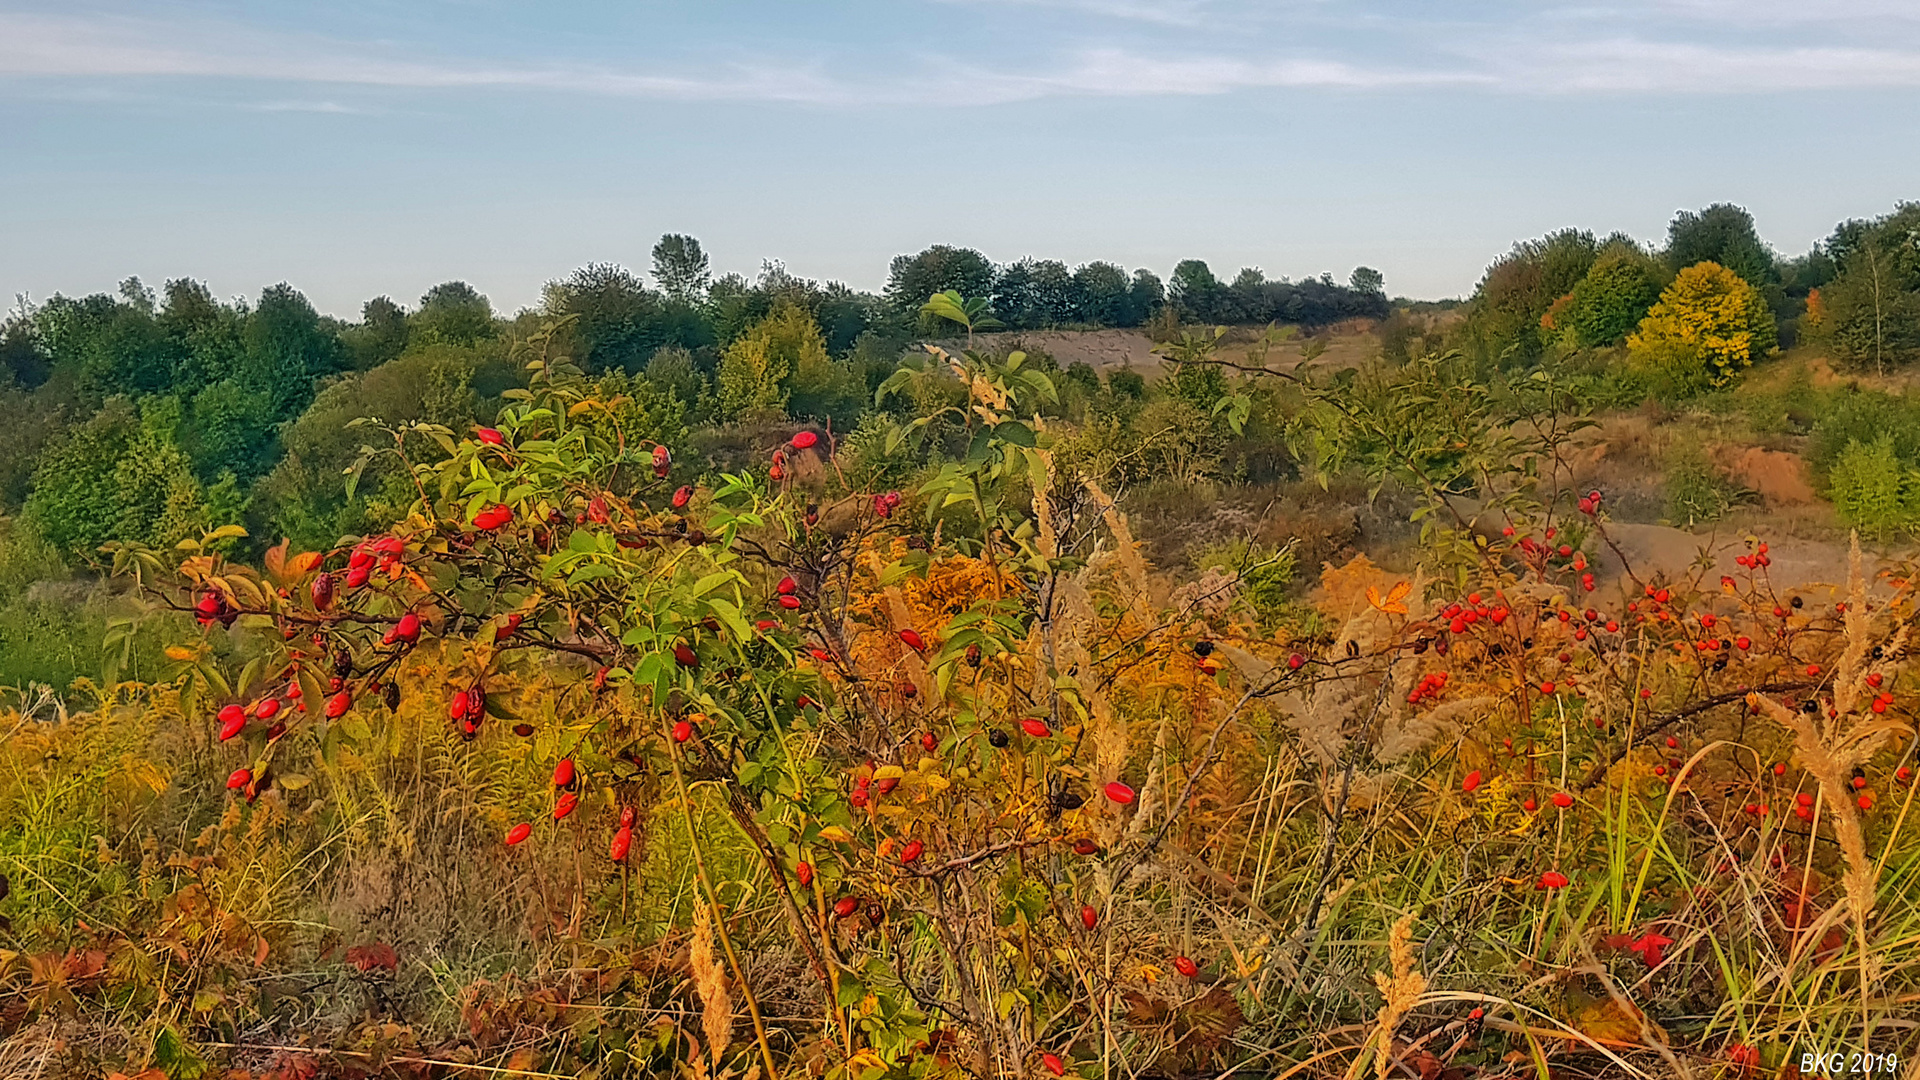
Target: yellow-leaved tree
{"points": [[756, 367], [1708, 325]]}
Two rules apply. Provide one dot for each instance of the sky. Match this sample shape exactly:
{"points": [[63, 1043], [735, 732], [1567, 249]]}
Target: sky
{"points": [[377, 147]]}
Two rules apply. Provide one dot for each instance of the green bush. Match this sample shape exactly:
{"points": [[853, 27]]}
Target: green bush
{"points": [[1614, 296], [1696, 491], [1873, 489], [1266, 573], [1851, 416], [1672, 371]]}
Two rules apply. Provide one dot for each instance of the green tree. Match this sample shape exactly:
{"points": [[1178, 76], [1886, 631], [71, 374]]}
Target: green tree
{"points": [[1709, 319], [23, 362], [1870, 312], [1367, 280], [121, 475], [1195, 291], [1615, 295], [232, 431], [681, 269], [913, 278], [1148, 295], [1722, 233], [381, 335], [673, 370], [1103, 294], [287, 348], [1503, 323], [617, 321], [755, 369], [304, 495], [454, 313]]}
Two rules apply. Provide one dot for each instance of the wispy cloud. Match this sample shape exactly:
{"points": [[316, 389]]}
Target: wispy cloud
{"points": [[1641, 66], [1115, 72], [1792, 12], [39, 45], [1164, 12], [333, 107], [1558, 50]]}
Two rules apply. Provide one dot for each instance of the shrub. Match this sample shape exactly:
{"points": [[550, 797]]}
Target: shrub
{"points": [[1708, 319], [1614, 296], [1696, 491], [1873, 489], [1849, 416], [1265, 573], [756, 368]]}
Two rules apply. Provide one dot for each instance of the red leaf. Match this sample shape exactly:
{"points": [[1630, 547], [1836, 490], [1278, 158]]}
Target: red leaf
{"points": [[376, 955]]}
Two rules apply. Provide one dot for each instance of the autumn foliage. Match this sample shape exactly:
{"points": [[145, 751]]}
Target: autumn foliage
{"points": [[598, 764]]}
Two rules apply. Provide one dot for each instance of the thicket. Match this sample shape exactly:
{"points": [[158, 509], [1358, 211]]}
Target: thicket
{"points": [[598, 760]]}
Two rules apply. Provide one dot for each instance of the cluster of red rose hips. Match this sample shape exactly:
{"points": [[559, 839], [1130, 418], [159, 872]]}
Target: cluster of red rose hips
{"points": [[1431, 686]]}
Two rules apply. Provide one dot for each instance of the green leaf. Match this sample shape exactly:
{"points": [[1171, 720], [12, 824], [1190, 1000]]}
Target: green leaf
{"points": [[1015, 432]]}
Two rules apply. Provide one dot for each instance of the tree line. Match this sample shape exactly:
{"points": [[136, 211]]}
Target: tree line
{"points": [[146, 413], [1857, 291]]}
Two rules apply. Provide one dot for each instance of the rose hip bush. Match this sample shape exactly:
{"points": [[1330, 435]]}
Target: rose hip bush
{"points": [[963, 788]]}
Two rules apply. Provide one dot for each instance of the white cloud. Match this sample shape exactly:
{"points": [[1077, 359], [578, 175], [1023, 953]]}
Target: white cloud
{"points": [[1119, 72], [1793, 12], [1535, 54], [1166, 12], [1634, 65], [53, 46], [307, 106]]}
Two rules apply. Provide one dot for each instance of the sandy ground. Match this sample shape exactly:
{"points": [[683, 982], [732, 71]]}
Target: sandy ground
{"points": [[1669, 554]]}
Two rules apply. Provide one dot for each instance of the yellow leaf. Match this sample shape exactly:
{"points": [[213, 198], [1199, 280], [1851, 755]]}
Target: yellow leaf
{"points": [[180, 653], [836, 834], [889, 772], [1393, 603]]}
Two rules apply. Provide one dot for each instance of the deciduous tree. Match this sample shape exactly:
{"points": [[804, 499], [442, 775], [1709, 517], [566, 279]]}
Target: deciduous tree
{"points": [[1709, 317]]}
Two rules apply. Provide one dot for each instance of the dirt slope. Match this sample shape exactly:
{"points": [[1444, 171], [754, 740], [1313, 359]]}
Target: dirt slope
{"points": [[1347, 345]]}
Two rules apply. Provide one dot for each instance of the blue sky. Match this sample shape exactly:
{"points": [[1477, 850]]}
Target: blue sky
{"points": [[358, 148]]}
